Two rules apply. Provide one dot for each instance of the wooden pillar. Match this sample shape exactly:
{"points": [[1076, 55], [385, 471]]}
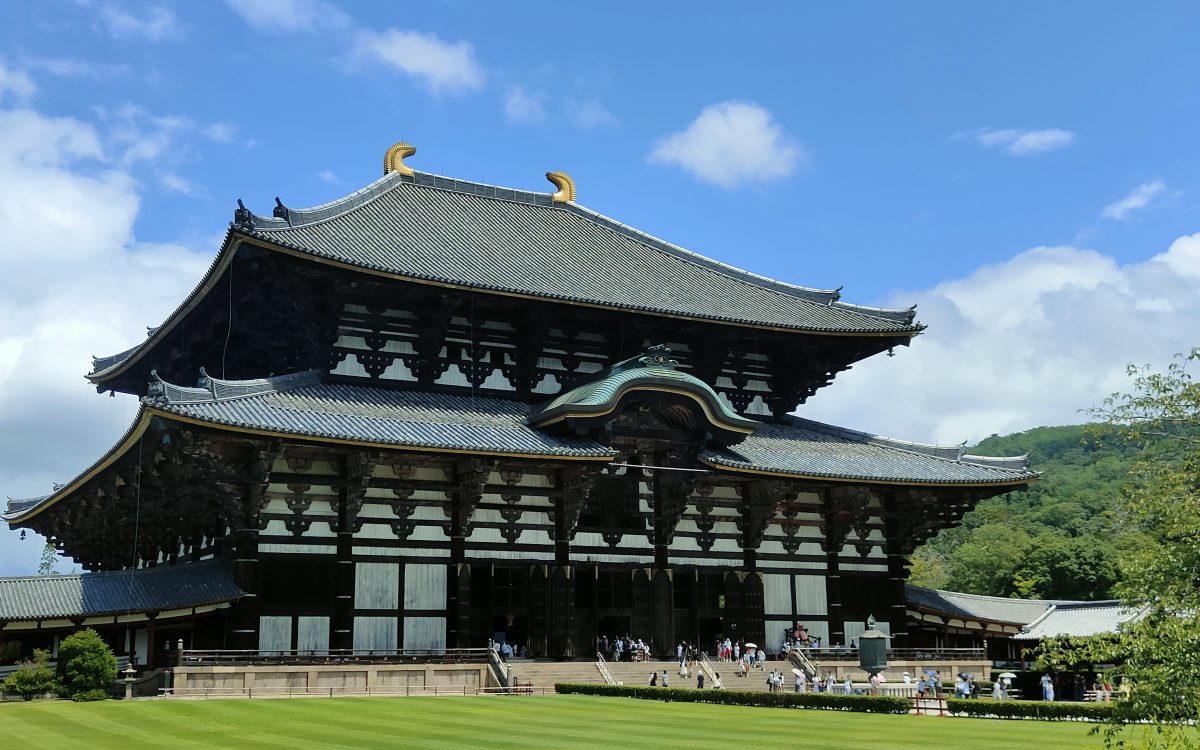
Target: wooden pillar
{"points": [[341, 626], [244, 633], [150, 640]]}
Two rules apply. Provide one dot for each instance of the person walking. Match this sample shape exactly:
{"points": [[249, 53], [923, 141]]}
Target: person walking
{"points": [[699, 680]]}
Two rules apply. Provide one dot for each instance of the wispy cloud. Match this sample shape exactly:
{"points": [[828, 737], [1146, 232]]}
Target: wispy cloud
{"points": [[69, 67], [732, 143], [1024, 142], [221, 132], [155, 24], [290, 16], [15, 83], [442, 66], [524, 106], [176, 184], [1138, 199], [326, 175], [589, 114]]}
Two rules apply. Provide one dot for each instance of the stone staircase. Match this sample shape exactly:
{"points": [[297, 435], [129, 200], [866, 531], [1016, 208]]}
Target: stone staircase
{"points": [[638, 673], [546, 673]]}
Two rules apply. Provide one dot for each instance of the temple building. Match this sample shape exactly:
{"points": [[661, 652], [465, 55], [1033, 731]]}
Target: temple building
{"points": [[435, 412]]}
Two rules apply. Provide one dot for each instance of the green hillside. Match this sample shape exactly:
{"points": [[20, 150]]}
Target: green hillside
{"points": [[1058, 539]]}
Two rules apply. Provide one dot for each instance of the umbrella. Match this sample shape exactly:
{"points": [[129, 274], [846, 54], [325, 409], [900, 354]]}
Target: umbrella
{"points": [[751, 645], [797, 672], [1007, 676]]}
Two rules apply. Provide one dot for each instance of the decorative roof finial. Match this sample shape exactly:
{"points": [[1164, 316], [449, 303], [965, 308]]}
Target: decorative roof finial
{"points": [[393, 160], [565, 185], [659, 355]]}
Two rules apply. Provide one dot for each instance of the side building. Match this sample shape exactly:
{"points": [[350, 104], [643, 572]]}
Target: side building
{"points": [[435, 412]]}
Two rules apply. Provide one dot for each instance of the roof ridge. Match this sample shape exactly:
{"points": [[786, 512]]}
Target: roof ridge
{"points": [[213, 390]]}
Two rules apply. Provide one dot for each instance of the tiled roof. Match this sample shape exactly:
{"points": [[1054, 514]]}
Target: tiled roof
{"points": [[302, 405], [1079, 619], [975, 606], [802, 447], [464, 233], [149, 590]]}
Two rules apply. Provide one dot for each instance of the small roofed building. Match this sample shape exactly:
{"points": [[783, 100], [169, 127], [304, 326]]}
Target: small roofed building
{"points": [[435, 412], [1080, 619]]}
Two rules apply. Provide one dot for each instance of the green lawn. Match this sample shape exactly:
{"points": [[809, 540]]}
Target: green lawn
{"points": [[563, 721]]}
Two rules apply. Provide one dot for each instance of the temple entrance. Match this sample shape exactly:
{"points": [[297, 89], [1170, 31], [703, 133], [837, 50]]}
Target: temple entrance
{"points": [[709, 630], [513, 629], [613, 626]]}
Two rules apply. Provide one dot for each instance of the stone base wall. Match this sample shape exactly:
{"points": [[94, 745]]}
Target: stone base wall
{"points": [[376, 679]]}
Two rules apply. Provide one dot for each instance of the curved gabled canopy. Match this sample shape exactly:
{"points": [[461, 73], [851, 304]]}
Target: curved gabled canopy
{"points": [[654, 372]]}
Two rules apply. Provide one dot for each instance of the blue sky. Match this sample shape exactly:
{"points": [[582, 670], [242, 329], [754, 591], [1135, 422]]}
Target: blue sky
{"points": [[1025, 172]]}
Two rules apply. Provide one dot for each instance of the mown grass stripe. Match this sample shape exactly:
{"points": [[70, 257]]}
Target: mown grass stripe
{"points": [[567, 722]]}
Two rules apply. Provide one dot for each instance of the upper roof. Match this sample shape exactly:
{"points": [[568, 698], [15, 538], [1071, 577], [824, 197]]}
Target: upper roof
{"points": [[156, 589], [802, 447], [480, 236], [1079, 619], [440, 230]]}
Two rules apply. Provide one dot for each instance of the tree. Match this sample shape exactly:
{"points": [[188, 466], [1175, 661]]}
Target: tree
{"points": [[1158, 656], [88, 666], [32, 677], [49, 560]]}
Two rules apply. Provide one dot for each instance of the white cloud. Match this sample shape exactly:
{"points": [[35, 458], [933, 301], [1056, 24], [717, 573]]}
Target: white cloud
{"points": [[730, 144], [290, 16], [524, 106], [589, 114], [1024, 142], [71, 67], [1023, 343], [76, 283], [327, 176], [15, 82], [157, 23], [176, 184], [221, 132], [441, 65], [1138, 199]]}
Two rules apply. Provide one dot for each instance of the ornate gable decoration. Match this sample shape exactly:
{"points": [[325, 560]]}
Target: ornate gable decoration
{"points": [[594, 403]]}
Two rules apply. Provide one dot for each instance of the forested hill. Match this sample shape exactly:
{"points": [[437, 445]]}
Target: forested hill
{"points": [[1056, 540]]}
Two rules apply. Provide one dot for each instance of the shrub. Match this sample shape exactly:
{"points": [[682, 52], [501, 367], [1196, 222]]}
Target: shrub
{"points": [[826, 701], [1045, 710], [87, 665], [32, 677]]}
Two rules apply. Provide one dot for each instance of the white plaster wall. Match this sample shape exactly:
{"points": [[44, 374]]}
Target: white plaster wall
{"points": [[811, 595], [312, 634], [777, 595], [425, 633], [424, 587], [374, 633], [376, 585], [274, 633]]}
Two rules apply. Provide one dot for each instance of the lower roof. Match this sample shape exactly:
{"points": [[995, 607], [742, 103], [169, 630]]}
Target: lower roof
{"points": [[976, 606], [158, 589], [303, 406]]}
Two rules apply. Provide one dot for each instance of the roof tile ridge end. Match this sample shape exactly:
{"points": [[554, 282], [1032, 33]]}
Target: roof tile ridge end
{"points": [[313, 215]]}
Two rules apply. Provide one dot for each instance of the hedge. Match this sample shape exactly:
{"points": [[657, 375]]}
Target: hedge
{"points": [[826, 701], [1045, 710]]}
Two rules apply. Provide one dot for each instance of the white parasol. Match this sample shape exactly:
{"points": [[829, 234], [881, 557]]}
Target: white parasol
{"points": [[1007, 676], [751, 646], [797, 672]]}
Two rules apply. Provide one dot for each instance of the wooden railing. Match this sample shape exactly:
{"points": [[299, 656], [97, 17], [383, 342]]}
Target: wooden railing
{"points": [[226, 657], [845, 653]]}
